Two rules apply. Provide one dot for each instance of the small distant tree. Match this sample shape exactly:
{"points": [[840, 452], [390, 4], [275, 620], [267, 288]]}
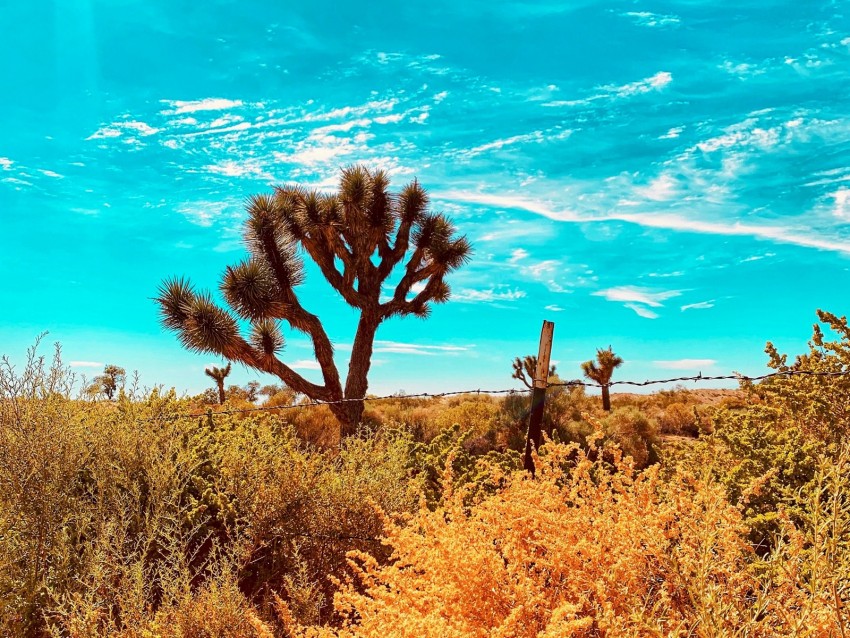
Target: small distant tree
{"points": [[357, 237], [219, 375], [525, 369], [252, 390], [270, 390], [108, 383], [601, 370]]}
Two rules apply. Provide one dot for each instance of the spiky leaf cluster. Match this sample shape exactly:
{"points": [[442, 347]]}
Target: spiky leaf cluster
{"points": [[601, 370], [218, 374]]}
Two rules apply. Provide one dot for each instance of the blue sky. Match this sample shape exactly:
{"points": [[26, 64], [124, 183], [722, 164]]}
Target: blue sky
{"points": [[670, 178]]}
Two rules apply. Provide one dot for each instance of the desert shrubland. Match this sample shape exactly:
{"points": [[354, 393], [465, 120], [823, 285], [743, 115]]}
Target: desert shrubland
{"points": [[670, 515]]}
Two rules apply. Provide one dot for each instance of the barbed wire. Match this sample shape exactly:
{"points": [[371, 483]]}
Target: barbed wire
{"points": [[509, 392], [315, 403], [702, 377]]}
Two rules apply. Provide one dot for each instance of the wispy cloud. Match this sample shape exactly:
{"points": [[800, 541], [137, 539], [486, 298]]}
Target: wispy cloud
{"points": [[123, 128], [841, 198], [179, 107], [205, 213], [660, 189], [518, 255], [641, 311], [246, 168], [647, 85], [636, 294], [672, 133], [399, 347], [553, 308], [701, 305], [668, 221], [655, 82], [86, 364], [305, 364], [648, 19], [638, 299], [684, 364], [494, 293], [6, 163], [535, 137]]}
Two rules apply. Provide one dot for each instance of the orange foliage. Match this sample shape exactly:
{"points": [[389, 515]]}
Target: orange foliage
{"points": [[585, 550]]}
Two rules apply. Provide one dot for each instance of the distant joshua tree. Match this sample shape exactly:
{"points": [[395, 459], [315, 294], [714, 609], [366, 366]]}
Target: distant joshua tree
{"points": [[219, 375], [356, 237], [109, 382], [601, 370], [525, 369]]}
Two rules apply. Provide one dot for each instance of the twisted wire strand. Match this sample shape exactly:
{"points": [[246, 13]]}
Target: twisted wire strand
{"points": [[513, 391]]}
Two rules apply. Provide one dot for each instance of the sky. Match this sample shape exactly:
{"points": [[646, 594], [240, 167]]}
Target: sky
{"points": [[671, 178]]}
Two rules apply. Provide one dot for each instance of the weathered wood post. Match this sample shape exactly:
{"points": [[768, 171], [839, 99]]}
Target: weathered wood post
{"points": [[538, 395]]}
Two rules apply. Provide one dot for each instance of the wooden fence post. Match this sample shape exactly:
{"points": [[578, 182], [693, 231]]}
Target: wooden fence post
{"points": [[538, 394]]}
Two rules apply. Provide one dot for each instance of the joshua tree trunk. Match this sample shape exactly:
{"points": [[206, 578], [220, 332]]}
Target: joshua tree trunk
{"points": [[357, 383], [606, 398], [220, 383]]}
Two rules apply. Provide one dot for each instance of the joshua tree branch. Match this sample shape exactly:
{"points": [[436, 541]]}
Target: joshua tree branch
{"points": [[324, 256], [243, 352]]}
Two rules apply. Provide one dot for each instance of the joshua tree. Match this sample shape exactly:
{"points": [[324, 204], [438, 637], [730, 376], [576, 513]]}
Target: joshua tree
{"points": [[601, 371], [357, 237], [525, 369], [219, 375], [109, 382]]}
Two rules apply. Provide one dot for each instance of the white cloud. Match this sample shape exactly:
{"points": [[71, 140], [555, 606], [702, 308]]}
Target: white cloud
{"points": [[343, 127], [660, 189], [647, 19], [389, 119], [6, 163], [611, 91], [842, 203], [398, 347], [642, 311], [779, 234], [668, 221], [742, 70], [420, 119], [653, 83], [545, 268], [86, 364], [376, 106], [509, 202], [518, 255], [495, 293], [207, 104], [684, 364], [47, 173], [319, 150], [673, 133], [635, 294], [247, 168], [305, 364], [701, 305], [745, 134], [16, 181], [117, 129], [553, 308], [204, 213], [536, 137]]}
